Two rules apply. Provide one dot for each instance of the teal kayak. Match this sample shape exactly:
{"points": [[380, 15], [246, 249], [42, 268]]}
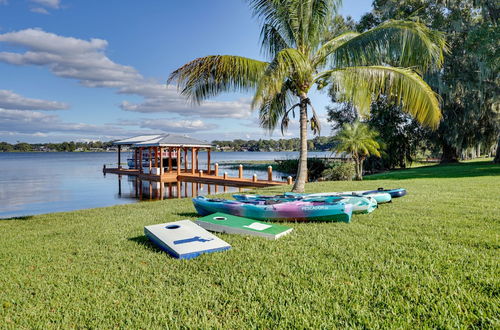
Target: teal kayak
{"points": [[360, 205], [380, 197], [297, 210]]}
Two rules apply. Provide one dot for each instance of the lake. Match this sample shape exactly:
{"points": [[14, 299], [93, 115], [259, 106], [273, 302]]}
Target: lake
{"points": [[35, 183]]}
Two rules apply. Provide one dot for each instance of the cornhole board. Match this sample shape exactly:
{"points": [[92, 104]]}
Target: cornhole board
{"points": [[231, 224], [184, 239]]}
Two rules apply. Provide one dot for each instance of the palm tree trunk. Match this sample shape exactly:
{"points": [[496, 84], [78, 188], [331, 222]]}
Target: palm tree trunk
{"points": [[361, 169], [356, 169], [300, 180]]}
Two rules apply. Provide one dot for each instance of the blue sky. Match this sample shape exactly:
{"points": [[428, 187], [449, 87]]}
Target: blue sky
{"points": [[96, 70]]}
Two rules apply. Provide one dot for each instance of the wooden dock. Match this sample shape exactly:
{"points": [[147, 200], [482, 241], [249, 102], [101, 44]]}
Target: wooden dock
{"points": [[199, 176]]}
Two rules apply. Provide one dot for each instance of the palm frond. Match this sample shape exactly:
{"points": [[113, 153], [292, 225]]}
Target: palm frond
{"points": [[328, 47], [300, 23], [362, 84], [358, 139], [209, 76], [399, 43], [288, 65], [274, 108], [272, 41]]}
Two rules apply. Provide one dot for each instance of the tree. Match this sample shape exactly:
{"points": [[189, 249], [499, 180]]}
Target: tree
{"points": [[469, 81], [359, 140], [303, 54], [402, 135]]}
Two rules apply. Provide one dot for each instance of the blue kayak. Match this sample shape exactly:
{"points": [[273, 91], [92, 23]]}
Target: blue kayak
{"points": [[360, 205], [395, 193]]}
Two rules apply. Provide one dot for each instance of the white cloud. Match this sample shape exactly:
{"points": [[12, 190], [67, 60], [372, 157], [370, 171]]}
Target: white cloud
{"points": [[177, 126], [37, 124], [39, 10], [85, 61], [13, 101], [54, 4]]}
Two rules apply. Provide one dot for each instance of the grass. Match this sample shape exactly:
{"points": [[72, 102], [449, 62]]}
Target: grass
{"points": [[430, 259]]}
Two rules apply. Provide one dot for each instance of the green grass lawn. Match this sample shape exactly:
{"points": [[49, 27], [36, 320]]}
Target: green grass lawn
{"points": [[430, 259]]}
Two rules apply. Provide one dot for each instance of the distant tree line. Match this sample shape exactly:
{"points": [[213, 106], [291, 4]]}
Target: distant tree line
{"points": [[319, 143], [55, 147]]}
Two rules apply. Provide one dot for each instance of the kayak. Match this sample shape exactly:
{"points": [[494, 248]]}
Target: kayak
{"points": [[360, 205], [270, 210], [380, 197], [395, 193]]}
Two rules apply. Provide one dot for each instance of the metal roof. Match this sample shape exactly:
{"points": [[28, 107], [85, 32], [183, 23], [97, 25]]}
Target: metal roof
{"points": [[136, 139], [163, 140]]}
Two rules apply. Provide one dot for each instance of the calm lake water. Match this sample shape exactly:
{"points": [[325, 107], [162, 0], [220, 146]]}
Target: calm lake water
{"points": [[35, 183]]}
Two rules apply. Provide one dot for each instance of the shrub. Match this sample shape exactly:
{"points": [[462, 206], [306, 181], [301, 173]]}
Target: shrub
{"points": [[339, 172]]}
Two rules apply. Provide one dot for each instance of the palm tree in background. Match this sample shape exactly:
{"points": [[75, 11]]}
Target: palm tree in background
{"points": [[357, 65], [360, 141]]}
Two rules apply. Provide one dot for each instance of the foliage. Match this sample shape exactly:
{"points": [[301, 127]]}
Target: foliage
{"points": [[63, 146], [360, 141], [339, 171], [410, 264], [402, 135], [469, 82], [304, 51], [319, 143], [316, 166]]}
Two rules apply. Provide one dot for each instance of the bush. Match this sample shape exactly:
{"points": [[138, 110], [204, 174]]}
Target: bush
{"points": [[315, 167], [339, 172]]}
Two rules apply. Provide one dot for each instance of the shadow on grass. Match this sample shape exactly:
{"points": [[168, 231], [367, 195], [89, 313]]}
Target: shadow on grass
{"points": [[144, 242], [26, 217], [188, 214], [458, 170]]}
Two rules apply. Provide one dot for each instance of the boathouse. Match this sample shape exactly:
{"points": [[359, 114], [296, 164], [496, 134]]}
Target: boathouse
{"points": [[175, 158]]}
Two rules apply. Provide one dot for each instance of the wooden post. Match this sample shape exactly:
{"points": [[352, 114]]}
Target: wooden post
{"points": [[150, 160], [169, 159], [161, 160], [269, 173], [197, 163], [225, 175], [216, 170], [201, 173], [208, 161], [178, 154], [254, 178], [140, 160], [192, 161], [289, 180], [240, 171], [136, 159], [179, 189], [156, 157], [186, 160], [119, 157]]}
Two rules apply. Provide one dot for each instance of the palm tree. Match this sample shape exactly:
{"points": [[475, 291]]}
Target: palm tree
{"points": [[359, 140], [356, 64]]}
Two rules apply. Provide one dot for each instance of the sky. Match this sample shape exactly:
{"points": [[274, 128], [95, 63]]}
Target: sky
{"points": [[86, 70]]}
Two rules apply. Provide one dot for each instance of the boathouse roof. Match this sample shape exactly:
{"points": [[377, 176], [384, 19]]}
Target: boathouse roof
{"points": [[163, 140]]}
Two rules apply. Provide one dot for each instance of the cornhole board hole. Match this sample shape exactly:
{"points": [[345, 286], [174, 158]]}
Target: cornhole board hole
{"points": [[231, 224], [184, 239]]}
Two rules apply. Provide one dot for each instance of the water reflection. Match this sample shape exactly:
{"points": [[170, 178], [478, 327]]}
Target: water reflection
{"points": [[131, 187]]}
